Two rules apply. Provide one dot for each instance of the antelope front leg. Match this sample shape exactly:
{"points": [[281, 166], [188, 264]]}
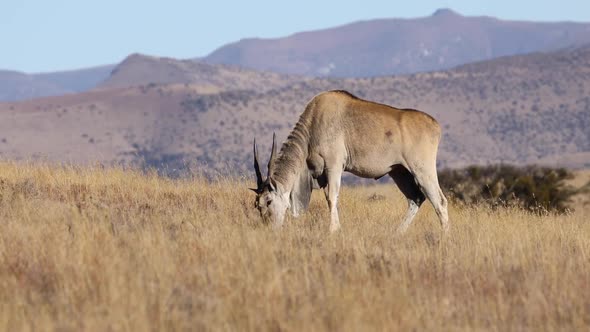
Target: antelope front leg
{"points": [[331, 192]]}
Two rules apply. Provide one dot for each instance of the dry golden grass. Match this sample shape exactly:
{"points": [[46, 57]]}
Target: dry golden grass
{"points": [[115, 250]]}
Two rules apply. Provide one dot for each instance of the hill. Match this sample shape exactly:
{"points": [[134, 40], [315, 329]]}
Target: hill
{"points": [[522, 110], [16, 86], [371, 48], [400, 46], [19, 86], [139, 69]]}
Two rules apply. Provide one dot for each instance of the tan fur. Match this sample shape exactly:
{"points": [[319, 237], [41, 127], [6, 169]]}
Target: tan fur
{"points": [[340, 132]]}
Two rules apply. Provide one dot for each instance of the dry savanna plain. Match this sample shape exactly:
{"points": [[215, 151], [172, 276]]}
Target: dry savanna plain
{"points": [[110, 249]]}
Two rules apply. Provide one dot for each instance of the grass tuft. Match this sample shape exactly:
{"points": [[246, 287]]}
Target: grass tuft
{"points": [[113, 249]]}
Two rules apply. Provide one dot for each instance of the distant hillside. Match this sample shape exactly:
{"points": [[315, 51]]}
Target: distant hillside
{"points": [[523, 109], [20, 86], [138, 69], [381, 47], [78, 80], [400, 46]]}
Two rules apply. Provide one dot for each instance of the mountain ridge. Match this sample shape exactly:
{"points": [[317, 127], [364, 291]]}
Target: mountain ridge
{"points": [[529, 109], [392, 46], [16, 85], [368, 48]]}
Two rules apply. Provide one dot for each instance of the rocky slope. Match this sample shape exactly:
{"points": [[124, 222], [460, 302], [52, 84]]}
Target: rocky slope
{"points": [[523, 109]]}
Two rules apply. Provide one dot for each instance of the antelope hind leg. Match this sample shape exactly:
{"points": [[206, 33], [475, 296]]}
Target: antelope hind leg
{"points": [[407, 185]]}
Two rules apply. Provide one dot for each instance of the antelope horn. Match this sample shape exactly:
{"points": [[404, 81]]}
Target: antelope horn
{"points": [[259, 181], [271, 162]]}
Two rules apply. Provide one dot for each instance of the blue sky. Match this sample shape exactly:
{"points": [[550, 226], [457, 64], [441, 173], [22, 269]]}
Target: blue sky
{"points": [[49, 35]]}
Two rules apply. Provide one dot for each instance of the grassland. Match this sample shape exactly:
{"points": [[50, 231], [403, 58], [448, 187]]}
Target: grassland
{"points": [[117, 250]]}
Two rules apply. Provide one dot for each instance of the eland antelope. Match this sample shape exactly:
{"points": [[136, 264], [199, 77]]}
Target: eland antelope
{"points": [[339, 132]]}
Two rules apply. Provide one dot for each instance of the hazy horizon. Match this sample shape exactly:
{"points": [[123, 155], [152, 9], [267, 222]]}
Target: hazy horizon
{"points": [[66, 35]]}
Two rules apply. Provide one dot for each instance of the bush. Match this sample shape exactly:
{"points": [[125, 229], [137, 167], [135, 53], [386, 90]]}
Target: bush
{"points": [[538, 189]]}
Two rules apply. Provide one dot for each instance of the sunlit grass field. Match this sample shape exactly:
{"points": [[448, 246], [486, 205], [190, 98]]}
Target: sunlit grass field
{"points": [[93, 249]]}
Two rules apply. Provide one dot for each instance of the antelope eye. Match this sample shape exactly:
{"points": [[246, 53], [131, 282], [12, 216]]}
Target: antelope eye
{"points": [[268, 202]]}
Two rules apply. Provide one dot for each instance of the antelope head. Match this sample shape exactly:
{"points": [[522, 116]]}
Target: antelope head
{"points": [[271, 201]]}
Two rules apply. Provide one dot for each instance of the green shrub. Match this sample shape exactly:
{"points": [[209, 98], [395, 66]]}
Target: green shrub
{"points": [[539, 189]]}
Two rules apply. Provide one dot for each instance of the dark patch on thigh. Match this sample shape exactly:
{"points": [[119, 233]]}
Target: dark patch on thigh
{"points": [[407, 184], [322, 180]]}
